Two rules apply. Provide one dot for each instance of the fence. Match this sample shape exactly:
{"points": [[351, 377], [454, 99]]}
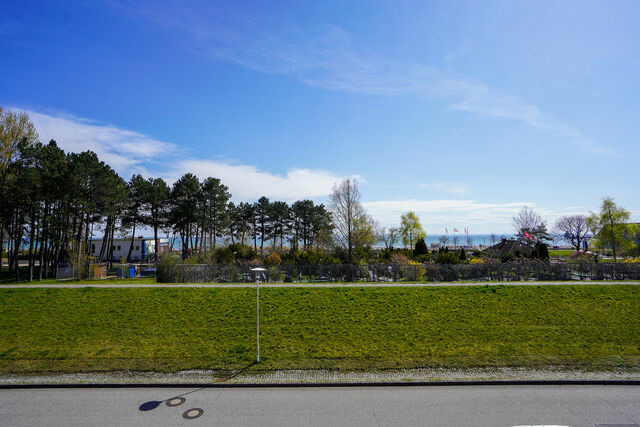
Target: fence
{"points": [[188, 273], [98, 271]]}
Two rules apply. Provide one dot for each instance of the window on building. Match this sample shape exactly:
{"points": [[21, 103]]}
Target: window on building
{"points": [[137, 247], [93, 247], [118, 247]]}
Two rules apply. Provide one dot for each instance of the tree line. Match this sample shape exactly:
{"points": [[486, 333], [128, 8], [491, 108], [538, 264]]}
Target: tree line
{"points": [[52, 203]]}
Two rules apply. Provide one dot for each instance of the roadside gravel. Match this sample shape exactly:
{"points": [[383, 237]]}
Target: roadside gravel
{"points": [[324, 376]]}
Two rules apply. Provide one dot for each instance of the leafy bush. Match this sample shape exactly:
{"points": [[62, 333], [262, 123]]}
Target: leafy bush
{"points": [[580, 257], [421, 271], [447, 258], [166, 264], [632, 260], [540, 251], [476, 261], [399, 258], [273, 259]]}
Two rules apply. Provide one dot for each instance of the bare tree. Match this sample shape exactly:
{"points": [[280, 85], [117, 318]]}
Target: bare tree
{"points": [[573, 228], [389, 236], [530, 226], [494, 238], [444, 240], [353, 227]]}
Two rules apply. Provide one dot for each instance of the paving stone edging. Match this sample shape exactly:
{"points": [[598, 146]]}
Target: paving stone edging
{"points": [[283, 377]]}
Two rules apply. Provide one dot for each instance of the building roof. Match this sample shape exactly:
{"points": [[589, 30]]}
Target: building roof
{"points": [[510, 246]]}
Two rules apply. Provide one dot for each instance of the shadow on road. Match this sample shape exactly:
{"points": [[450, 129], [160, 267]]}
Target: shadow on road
{"points": [[153, 404]]}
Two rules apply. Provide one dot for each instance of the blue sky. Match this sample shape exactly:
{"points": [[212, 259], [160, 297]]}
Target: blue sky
{"points": [[461, 111]]}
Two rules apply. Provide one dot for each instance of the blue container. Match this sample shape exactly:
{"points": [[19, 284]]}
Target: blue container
{"points": [[132, 272]]}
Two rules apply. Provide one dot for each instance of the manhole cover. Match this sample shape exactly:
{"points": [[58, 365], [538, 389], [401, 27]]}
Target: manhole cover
{"points": [[192, 413], [175, 401]]}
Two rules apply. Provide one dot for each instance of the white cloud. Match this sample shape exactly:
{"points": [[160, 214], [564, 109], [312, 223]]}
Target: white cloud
{"points": [[457, 188], [437, 214], [323, 57], [122, 149], [248, 183], [131, 152]]}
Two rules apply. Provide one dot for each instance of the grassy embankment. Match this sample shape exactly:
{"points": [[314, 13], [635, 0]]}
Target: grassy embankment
{"points": [[162, 329]]}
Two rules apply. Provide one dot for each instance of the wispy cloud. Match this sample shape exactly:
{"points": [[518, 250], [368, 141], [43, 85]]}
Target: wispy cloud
{"points": [[323, 57], [122, 149], [457, 188]]}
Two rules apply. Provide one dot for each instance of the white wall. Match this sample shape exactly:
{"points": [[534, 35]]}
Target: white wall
{"points": [[122, 248]]}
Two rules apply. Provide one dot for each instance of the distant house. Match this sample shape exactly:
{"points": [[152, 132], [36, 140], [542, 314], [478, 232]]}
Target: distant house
{"points": [[509, 246], [142, 248]]}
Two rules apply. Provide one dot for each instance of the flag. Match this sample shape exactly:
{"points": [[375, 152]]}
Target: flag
{"points": [[528, 236], [455, 230], [446, 230]]}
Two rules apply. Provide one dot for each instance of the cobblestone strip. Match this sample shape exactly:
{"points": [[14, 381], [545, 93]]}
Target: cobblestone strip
{"points": [[323, 376]]}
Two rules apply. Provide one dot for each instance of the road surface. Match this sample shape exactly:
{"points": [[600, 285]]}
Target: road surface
{"points": [[574, 405]]}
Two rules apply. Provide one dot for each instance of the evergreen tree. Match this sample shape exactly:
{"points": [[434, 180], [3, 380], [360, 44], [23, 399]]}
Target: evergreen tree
{"points": [[420, 248]]}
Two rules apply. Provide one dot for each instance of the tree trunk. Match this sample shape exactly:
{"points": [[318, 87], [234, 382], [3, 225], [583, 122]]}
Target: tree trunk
{"points": [[2, 248], [32, 235], [133, 237], [157, 242]]}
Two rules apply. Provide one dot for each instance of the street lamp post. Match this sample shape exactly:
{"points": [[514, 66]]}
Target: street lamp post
{"points": [[256, 271]]}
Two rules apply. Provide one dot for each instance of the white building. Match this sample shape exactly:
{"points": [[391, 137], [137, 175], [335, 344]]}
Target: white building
{"points": [[142, 248]]}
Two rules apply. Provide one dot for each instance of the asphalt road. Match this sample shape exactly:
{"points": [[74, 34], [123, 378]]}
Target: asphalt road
{"points": [[573, 405]]}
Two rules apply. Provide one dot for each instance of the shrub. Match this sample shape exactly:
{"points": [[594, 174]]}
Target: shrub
{"points": [[540, 251], [580, 257], [421, 271], [399, 258], [463, 256], [274, 259], [421, 248], [254, 263], [632, 260], [164, 269], [447, 258], [476, 261]]}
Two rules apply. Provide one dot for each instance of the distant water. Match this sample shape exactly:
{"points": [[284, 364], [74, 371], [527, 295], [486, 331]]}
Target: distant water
{"points": [[461, 239], [482, 240]]}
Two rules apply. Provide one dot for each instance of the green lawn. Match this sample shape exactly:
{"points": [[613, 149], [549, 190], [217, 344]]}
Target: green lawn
{"points": [[9, 278], [169, 329], [560, 253]]}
